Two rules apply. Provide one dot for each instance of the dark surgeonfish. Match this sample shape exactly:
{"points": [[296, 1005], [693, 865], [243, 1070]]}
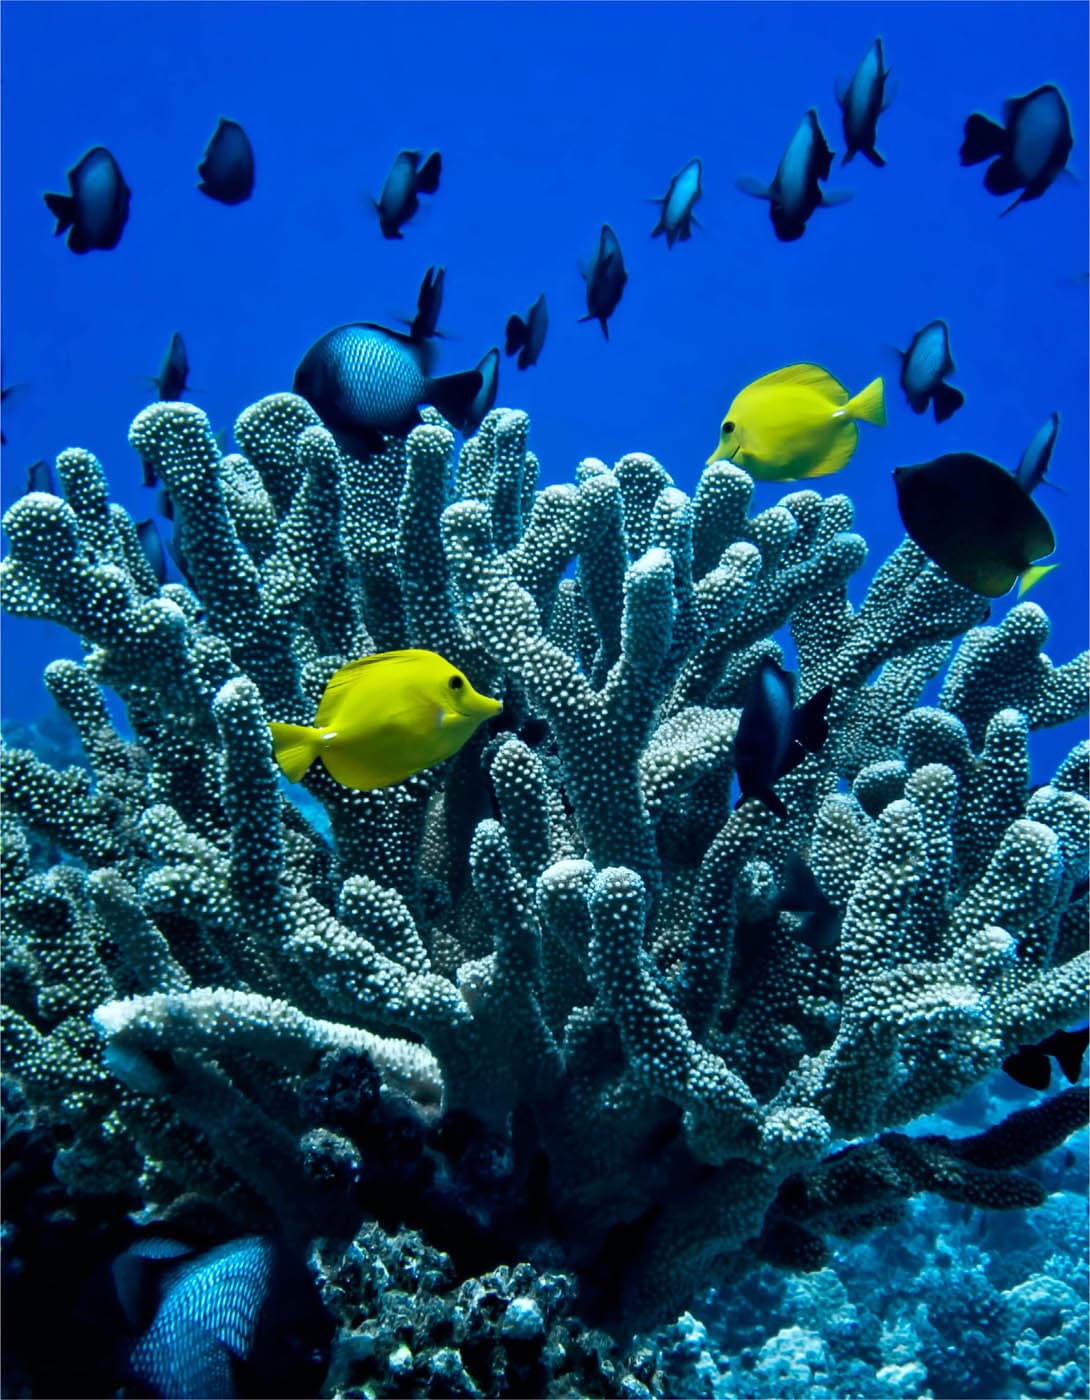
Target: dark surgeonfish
{"points": [[1029, 1064], [862, 102], [605, 278], [972, 519], [527, 336], [39, 477], [1031, 470], [97, 208], [364, 380], [242, 1318], [227, 169], [408, 178], [676, 216], [484, 400], [147, 532], [924, 367], [1030, 148], [820, 925], [429, 303], [795, 193], [773, 737], [174, 370]]}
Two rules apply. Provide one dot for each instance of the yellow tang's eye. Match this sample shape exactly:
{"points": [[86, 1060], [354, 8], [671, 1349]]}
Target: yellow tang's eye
{"points": [[728, 426], [456, 683]]}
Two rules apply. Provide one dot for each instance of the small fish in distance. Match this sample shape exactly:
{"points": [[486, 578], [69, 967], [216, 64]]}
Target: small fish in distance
{"points": [[605, 277], [227, 168], [972, 519], [795, 193], [39, 477], [676, 216], [485, 398], [924, 367], [820, 921], [408, 178], [527, 336], [796, 422], [862, 102], [174, 370], [151, 543], [429, 303], [364, 380], [383, 718], [773, 737], [1030, 148], [1029, 1064], [97, 208], [1031, 470]]}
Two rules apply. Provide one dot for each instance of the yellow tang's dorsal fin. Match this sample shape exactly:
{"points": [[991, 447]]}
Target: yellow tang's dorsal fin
{"points": [[340, 682], [806, 376]]}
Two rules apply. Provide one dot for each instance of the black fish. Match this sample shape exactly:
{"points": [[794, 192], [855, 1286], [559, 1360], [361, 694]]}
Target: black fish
{"points": [[39, 477], [1030, 471], [605, 279], [862, 102], [676, 217], [429, 303], [973, 520], [1032, 145], [98, 207], [364, 380], [152, 545], [800, 894], [485, 397], [242, 1318], [527, 337], [795, 193], [407, 178], [773, 737], [1029, 1064], [227, 170], [924, 367], [174, 370]]}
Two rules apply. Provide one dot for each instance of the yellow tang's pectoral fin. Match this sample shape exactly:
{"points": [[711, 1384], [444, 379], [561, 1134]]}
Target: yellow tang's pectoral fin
{"points": [[1033, 575], [295, 747], [839, 452]]}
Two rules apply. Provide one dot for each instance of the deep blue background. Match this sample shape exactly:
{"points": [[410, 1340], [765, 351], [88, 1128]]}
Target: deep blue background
{"points": [[551, 119]]}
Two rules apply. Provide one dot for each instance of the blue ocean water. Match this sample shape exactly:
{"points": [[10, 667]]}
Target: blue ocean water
{"points": [[551, 120]]}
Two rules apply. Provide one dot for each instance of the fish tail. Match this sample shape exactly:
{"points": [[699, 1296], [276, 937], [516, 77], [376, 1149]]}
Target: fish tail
{"points": [[453, 394], [873, 156], [517, 332], [983, 138], [1033, 575], [869, 405], [63, 209], [427, 177], [295, 747], [945, 401]]}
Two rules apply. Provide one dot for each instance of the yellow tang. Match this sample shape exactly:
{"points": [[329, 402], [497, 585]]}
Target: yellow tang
{"points": [[796, 422], [384, 717]]}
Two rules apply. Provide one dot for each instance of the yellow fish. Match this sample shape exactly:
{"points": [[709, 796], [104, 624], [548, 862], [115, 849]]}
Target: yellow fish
{"points": [[796, 422], [384, 717]]}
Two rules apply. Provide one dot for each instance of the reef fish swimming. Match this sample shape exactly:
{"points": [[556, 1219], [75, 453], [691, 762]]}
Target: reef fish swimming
{"points": [[796, 422], [227, 167], [364, 380], [862, 102], [1031, 470], [676, 216], [174, 370], [795, 193], [972, 519], [924, 367], [408, 178], [1030, 148], [527, 336], [773, 737], [429, 303], [485, 398], [605, 277], [1029, 1065], [97, 209], [384, 718]]}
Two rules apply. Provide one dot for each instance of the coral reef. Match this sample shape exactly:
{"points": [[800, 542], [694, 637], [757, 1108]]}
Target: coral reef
{"points": [[554, 971]]}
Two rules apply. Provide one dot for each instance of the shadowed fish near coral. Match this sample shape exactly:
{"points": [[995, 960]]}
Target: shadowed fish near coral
{"points": [[1030, 148], [605, 277], [796, 422], [484, 399], [972, 519], [39, 477], [429, 303], [773, 737], [408, 178], [97, 208], [820, 921], [795, 191], [1029, 1065], [676, 216], [862, 102], [527, 336], [174, 370], [383, 718], [924, 367], [227, 167]]}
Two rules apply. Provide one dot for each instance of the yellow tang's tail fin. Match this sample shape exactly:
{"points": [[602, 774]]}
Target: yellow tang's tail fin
{"points": [[869, 405], [296, 747], [1034, 575]]}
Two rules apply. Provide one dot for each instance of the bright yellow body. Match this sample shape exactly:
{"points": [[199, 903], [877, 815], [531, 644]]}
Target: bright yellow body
{"points": [[796, 422], [383, 718]]}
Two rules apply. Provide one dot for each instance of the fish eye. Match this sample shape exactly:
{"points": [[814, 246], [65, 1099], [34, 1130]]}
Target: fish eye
{"points": [[455, 682], [728, 425]]}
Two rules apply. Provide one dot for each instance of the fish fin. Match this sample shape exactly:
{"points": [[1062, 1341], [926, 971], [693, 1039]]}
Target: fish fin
{"points": [[846, 157], [773, 802], [1028, 1067], [869, 405], [453, 394], [604, 322], [809, 726], [748, 185], [1067, 1049], [295, 747], [840, 87], [983, 138], [945, 401], [1014, 205], [889, 93], [839, 454], [873, 156], [1033, 575], [830, 198], [806, 375], [517, 331], [63, 209], [1001, 177], [427, 177]]}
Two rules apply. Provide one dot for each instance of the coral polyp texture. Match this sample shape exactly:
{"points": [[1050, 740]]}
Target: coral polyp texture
{"points": [[542, 1002]]}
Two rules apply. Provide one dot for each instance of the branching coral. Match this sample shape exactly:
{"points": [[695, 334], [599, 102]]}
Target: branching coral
{"points": [[564, 933]]}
